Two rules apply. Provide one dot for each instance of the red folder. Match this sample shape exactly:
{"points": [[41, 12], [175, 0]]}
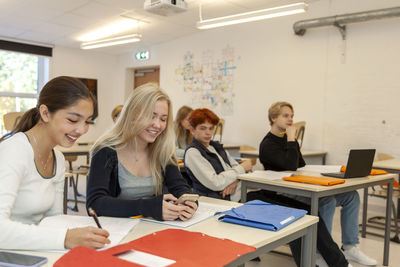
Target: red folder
{"points": [[186, 248]]}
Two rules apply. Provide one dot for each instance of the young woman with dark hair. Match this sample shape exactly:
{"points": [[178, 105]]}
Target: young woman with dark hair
{"points": [[32, 173]]}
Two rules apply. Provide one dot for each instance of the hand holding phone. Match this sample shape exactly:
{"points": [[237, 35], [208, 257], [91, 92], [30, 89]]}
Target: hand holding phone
{"points": [[187, 197]]}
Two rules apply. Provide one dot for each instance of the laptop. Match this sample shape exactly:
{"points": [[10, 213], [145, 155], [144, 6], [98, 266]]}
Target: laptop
{"points": [[359, 164]]}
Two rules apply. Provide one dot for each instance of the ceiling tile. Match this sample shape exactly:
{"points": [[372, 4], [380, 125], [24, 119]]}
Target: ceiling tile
{"points": [[97, 10], [7, 6], [38, 37], [10, 31], [72, 20], [35, 12], [60, 5], [19, 21], [51, 28], [123, 4]]}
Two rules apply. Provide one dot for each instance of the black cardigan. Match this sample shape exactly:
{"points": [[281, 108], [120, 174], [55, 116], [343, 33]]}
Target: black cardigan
{"points": [[277, 154], [103, 189]]}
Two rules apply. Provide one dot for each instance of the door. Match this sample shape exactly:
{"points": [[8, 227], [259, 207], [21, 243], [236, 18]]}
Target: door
{"points": [[146, 75]]}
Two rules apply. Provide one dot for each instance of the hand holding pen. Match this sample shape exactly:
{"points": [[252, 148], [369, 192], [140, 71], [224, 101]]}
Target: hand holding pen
{"points": [[90, 236], [94, 215]]}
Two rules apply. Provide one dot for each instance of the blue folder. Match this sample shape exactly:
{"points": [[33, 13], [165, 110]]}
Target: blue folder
{"points": [[262, 215]]}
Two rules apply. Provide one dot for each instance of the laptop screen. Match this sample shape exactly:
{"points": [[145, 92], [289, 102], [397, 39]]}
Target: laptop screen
{"points": [[359, 163]]}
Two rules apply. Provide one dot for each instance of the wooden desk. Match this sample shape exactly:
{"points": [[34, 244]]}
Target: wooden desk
{"points": [[263, 240], [234, 150], [392, 166], [314, 192], [389, 164], [306, 154]]}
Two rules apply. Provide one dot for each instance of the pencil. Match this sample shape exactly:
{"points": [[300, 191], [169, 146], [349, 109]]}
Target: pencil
{"points": [[94, 215], [282, 132]]}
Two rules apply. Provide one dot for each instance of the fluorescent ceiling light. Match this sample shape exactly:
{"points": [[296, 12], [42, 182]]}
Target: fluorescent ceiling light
{"points": [[131, 38], [253, 16], [117, 27]]}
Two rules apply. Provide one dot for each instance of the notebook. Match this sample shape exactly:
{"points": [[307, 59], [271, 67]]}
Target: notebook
{"points": [[359, 164]]}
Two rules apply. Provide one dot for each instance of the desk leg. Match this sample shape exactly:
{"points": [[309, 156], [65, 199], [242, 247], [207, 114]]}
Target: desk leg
{"points": [[243, 197], [314, 211], [314, 204], [308, 242], [364, 213], [388, 222], [324, 159]]}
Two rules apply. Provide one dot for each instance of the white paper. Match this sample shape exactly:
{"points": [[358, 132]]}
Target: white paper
{"points": [[117, 227], [145, 259], [320, 168], [268, 175], [204, 211]]}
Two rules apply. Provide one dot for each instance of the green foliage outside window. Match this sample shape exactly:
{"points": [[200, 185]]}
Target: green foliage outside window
{"points": [[18, 75]]}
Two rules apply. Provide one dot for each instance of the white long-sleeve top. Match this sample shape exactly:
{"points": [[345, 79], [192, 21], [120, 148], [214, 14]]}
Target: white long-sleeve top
{"points": [[26, 197], [205, 173]]}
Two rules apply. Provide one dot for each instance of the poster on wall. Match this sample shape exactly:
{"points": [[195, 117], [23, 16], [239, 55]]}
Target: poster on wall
{"points": [[209, 79]]}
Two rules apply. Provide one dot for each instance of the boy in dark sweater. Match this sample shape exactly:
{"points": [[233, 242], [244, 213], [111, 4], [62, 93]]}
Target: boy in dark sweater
{"points": [[279, 151]]}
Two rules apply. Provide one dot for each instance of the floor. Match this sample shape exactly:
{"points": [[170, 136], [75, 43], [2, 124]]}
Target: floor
{"points": [[371, 245]]}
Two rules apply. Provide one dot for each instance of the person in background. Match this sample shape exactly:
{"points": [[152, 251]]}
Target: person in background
{"points": [[32, 173], [115, 112], [210, 167], [214, 174], [134, 164], [182, 130], [279, 151]]}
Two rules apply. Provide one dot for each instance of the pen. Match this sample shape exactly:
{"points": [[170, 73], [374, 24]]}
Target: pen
{"points": [[94, 215]]}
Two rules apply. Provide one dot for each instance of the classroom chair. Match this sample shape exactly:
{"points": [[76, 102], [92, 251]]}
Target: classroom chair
{"points": [[74, 178], [219, 129], [301, 127], [11, 119], [68, 175], [382, 193]]}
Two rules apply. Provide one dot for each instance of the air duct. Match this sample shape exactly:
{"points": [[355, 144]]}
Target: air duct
{"points": [[340, 21]]}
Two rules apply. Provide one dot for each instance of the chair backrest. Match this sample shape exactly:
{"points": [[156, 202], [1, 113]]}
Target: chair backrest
{"points": [[219, 129], [383, 156], [11, 119], [301, 127]]}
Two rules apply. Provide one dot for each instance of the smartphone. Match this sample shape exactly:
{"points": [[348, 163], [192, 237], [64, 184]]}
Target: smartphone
{"points": [[11, 259], [185, 197]]}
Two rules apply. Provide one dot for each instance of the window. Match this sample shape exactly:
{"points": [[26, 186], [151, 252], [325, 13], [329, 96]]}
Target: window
{"points": [[21, 77]]}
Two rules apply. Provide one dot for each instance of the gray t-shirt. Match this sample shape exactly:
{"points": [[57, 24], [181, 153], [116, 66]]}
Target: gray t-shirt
{"points": [[132, 186]]}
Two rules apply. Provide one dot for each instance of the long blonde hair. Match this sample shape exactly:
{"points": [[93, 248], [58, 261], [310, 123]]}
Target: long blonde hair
{"points": [[135, 117], [182, 113]]}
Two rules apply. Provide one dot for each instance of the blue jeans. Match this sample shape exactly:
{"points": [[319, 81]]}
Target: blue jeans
{"points": [[350, 203]]}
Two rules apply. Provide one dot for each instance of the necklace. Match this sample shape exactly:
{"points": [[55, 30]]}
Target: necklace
{"points": [[40, 157]]}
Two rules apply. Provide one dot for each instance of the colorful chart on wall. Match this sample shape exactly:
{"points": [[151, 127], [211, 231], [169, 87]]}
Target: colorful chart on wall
{"points": [[209, 79]]}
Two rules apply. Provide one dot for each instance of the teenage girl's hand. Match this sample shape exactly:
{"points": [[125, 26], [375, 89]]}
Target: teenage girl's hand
{"points": [[247, 165], [291, 132], [189, 208], [91, 237], [230, 189], [170, 211]]}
